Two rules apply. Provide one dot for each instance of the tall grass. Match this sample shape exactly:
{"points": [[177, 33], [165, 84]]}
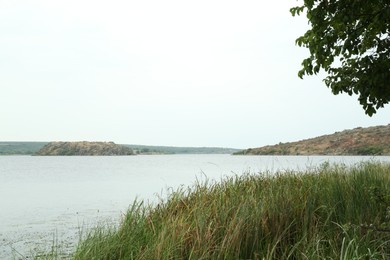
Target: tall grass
{"points": [[334, 212]]}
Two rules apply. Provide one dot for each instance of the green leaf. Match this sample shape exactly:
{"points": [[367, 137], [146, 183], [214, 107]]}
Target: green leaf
{"points": [[350, 40]]}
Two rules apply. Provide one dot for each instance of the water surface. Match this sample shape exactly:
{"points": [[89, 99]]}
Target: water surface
{"points": [[44, 199]]}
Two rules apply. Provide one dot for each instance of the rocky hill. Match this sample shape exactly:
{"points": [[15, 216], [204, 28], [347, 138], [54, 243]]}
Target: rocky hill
{"points": [[359, 141], [84, 148]]}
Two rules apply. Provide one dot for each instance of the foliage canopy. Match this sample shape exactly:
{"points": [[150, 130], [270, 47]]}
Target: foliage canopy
{"points": [[350, 40]]}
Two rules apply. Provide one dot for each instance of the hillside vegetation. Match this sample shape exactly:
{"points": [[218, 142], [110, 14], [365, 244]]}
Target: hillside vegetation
{"points": [[20, 148], [359, 141], [147, 149], [84, 148]]}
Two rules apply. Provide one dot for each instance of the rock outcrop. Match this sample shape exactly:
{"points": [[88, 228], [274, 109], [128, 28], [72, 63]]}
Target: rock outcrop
{"points": [[84, 149]]}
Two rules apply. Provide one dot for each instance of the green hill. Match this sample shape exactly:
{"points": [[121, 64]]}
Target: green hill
{"points": [[20, 148], [145, 149]]}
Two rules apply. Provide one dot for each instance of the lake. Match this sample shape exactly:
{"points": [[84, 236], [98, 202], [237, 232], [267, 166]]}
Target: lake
{"points": [[46, 199]]}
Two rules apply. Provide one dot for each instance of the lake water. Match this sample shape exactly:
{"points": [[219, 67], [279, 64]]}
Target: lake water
{"points": [[46, 199]]}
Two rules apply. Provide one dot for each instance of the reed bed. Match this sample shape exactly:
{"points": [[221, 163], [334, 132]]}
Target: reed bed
{"points": [[333, 212]]}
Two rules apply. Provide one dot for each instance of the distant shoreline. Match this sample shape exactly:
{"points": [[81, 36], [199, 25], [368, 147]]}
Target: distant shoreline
{"points": [[30, 148]]}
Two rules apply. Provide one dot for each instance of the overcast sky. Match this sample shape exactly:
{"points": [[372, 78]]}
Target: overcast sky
{"points": [[179, 73]]}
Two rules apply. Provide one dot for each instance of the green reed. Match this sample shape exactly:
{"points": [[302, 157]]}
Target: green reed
{"points": [[333, 212]]}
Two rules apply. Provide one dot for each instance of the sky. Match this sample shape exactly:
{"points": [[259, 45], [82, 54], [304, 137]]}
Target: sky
{"points": [[213, 73]]}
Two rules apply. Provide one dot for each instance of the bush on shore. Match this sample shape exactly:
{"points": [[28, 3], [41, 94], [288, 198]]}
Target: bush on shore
{"points": [[331, 212]]}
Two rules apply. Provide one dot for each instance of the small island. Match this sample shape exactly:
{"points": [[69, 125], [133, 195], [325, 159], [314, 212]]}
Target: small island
{"points": [[359, 141], [84, 149]]}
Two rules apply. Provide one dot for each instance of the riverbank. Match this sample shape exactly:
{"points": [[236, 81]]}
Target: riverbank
{"points": [[330, 212]]}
